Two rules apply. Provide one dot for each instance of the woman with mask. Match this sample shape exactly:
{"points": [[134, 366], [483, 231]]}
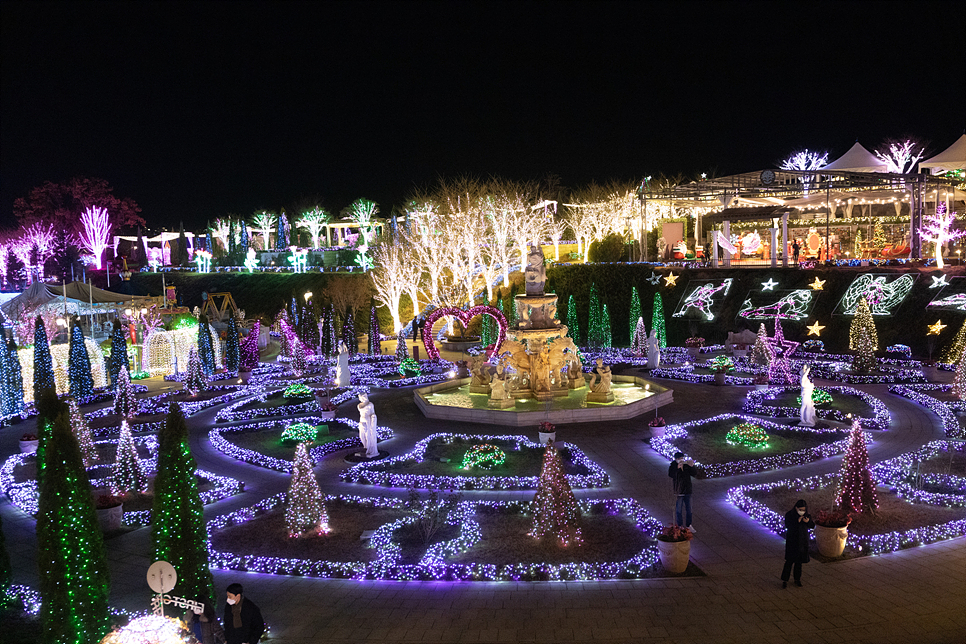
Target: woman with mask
{"points": [[203, 624], [797, 524]]}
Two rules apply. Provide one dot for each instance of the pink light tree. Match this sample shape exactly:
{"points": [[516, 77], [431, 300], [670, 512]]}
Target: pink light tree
{"points": [[96, 234], [34, 247], [900, 157], [937, 229]]}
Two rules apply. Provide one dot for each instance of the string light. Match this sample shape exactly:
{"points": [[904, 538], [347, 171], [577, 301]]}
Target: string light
{"points": [[484, 456], [755, 403], [857, 485], [305, 512], [863, 338], [556, 515], [704, 298], [127, 475]]}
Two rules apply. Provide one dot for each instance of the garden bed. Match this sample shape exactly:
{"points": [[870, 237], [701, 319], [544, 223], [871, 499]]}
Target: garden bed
{"points": [[269, 441], [946, 410], [263, 405], [847, 404]]}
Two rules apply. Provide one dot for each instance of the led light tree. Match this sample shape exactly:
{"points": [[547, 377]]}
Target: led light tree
{"points": [[127, 474], [657, 320], [263, 222], [232, 356], [639, 339], [49, 407], [937, 229], [959, 385], [79, 365], [556, 515], [74, 575], [43, 363], [82, 433], [125, 399], [178, 525], [878, 235], [402, 350], [119, 358], [195, 380], [11, 385], [375, 337], [205, 351], [304, 512], [281, 232], [248, 351], [760, 353], [363, 213], [857, 485], [635, 314], [96, 232], [573, 325], [595, 321], [805, 160], [314, 221], [349, 333], [607, 340], [863, 338], [900, 157], [298, 357], [243, 240], [954, 352], [389, 277]]}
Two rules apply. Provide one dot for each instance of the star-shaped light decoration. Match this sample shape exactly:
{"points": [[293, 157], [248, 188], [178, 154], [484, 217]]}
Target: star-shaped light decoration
{"points": [[670, 279], [815, 329], [936, 329], [817, 284], [938, 282], [779, 371], [654, 279], [769, 285]]}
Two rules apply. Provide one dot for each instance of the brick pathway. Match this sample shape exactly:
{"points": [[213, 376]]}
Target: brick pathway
{"points": [[914, 595]]}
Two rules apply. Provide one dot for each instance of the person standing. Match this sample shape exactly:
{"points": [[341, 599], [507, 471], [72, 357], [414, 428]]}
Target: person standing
{"points": [[797, 524], [243, 621], [203, 623], [681, 470], [795, 250]]}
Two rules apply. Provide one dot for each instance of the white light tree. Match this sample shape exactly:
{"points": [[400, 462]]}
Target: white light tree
{"points": [[805, 160], [264, 223], [363, 213], [556, 230], [389, 276], [900, 157], [937, 228], [220, 231], [314, 221], [505, 200], [96, 233]]}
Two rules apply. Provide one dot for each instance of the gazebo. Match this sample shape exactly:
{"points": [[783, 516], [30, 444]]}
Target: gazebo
{"points": [[952, 158]]}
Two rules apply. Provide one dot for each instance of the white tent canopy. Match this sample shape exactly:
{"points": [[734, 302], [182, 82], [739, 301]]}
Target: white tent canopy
{"points": [[857, 159], [952, 158]]}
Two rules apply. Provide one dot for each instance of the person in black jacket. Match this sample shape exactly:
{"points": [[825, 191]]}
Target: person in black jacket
{"points": [[797, 524], [243, 621], [681, 470]]}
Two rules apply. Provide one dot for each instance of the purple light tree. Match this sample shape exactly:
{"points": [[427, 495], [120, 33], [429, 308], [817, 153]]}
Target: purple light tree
{"points": [[937, 229], [34, 247], [900, 157], [97, 229]]}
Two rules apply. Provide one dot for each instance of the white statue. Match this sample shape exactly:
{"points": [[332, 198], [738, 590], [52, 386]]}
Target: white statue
{"points": [[653, 350], [367, 426], [342, 375], [808, 406]]}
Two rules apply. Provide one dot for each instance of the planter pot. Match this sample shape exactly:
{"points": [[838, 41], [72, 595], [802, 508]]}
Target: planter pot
{"points": [[244, 376], [327, 415], [831, 541], [657, 431], [110, 518], [674, 555], [740, 353], [719, 378], [762, 386], [931, 373], [693, 351], [28, 447], [547, 436]]}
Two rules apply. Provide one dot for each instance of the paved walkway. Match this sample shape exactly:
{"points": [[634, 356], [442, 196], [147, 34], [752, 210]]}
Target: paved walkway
{"points": [[914, 595]]}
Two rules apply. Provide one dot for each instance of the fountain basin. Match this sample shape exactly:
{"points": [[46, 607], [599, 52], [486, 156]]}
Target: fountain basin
{"points": [[451, 400]]}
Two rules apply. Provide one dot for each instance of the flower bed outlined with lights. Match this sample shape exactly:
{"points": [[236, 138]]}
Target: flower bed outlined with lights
{"points": [[665, 445], [755, 404], [902, 371], [902, 475], [943, 409], [434, 563], [237, 410], [316, 453], [381, 473], [874, 544]]}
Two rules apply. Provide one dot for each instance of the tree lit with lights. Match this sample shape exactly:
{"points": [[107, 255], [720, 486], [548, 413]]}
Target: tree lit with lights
{"points": [[937, 229], [96, 234], [863, 338], [556, 515], [304, 511], [857, 488]]}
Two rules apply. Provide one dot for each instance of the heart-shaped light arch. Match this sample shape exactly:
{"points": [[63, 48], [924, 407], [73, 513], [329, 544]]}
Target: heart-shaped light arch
{"points": [[464, 317]]}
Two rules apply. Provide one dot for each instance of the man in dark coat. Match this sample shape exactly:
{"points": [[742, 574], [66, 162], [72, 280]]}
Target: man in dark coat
{"points": [[797, 524], [681, 470], [243, 621]]}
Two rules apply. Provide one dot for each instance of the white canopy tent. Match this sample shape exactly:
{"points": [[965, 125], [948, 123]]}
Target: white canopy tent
{"points": [[952, 158], [857, 159], [157, 239]]}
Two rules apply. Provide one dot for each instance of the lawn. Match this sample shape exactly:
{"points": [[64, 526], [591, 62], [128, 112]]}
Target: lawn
{"points": [[706, 442], [845, 403], [269, 441]]}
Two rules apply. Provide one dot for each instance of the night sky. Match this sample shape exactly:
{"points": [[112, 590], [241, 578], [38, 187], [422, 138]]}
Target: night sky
{"points": [[202, 109]]}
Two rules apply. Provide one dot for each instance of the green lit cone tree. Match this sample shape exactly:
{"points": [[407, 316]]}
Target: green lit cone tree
{"points": [[74, 575], [657, 320], [857, 485], [82, 433], [595, 320], [304, 510], [125, 399], [205, 351], [635, 315], [49, 407], [863, 338], [79, 365], [127, 474], [606, 337], [556, 515], [573, 325], [178, 531], [119, 358]]}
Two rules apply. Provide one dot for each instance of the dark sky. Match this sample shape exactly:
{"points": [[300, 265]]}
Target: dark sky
{"points": [[201, 109]]}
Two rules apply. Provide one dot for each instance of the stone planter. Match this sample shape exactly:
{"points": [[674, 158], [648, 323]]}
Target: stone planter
{"points": [[693, 351], [719, 378], [657, 430], [327, 415], [740, 353], [110, 518], [831, 541], [930, 372], [547, 436], [674, 555], [28, 447]]}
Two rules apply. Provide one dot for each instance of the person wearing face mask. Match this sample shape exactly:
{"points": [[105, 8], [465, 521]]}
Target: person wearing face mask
{"points": [[203, 624], [243, 621], [797, 524], [681, 470]]}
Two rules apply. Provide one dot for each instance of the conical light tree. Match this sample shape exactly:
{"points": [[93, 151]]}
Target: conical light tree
{"points": [[556, 515], [79, 365], [74, 575], [608, 341], [125, 399], [248, 358], [375, 341], [82, 433], [119, 358], [635, 314], [639, 338], [127, 475], [595, 320], [657, 320], [11, 379], [573, 326], [304, 512], [195, 380], [959, 386], [232, 357], [760, 353], [178, 525], [205, 351], [43, 363], [402, 350], [954, 352], [857, 488], [863, 338]]}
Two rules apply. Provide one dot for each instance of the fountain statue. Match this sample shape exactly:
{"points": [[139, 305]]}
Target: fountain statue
{"points": [[807, 413], [480, 369], [367, 427], [538, 350], [499, 396], [600, 389]]}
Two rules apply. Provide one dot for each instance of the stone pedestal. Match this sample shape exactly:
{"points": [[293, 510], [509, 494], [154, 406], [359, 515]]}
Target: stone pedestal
{"points": [[576, 383], [504, 403], [560, 392], [600, 398], [480, 389], [543, 395]]}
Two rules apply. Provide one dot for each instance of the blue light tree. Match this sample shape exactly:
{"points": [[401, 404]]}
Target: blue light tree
{"points": [[79, 365], [43, 363]]}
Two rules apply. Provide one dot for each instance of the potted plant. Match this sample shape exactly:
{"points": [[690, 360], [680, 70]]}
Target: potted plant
{"points": [[761, 381], [832, 531], [29, 443], [694, 345], [721, 367], [548, 432], [110, 511], [674, 546], [328, 409], [657, 426], [740, 350], [930, 370]]}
